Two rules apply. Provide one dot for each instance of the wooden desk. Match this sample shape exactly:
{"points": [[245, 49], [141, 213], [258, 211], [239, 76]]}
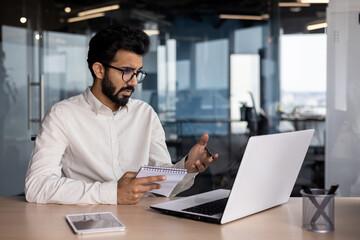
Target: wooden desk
{"points": [[22, 220]]}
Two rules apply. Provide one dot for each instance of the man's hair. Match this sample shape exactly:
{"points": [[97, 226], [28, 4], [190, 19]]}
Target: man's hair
{"points": [[105, 44]]}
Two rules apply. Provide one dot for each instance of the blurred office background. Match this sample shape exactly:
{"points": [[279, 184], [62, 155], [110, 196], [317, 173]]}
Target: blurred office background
{"points": [[232, 68]]}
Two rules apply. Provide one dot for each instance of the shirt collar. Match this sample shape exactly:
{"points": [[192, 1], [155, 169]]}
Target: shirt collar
{"points": [[97, 106]]}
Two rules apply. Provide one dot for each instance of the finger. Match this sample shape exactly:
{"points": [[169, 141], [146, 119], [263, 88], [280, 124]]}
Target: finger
{"points": [[135, 198], [204, 139], [207, 162], [203, 165], [150, 179], [215, 156], [200, 166], [130, 174], [148, 187]]}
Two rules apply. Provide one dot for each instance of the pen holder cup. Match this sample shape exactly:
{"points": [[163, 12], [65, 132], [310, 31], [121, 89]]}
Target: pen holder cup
{"points": [[318, 211]]}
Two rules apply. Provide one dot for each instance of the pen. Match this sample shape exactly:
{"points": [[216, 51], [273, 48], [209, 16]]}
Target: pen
{"points": [[208, 151], [306, 189], [333, 189]]}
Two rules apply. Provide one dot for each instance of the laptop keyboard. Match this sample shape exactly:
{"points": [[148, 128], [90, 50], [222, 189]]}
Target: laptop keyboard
{"points": [[209, 208]]}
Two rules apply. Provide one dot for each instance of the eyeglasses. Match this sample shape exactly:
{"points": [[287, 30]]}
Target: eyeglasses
{"points": [[128, 73]]}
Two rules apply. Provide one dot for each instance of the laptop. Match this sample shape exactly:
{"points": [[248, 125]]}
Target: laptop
{"points": [[265, 179]]}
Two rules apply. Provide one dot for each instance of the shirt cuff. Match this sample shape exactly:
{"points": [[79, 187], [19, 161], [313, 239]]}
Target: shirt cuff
{"points": [[108, 192], [181, 163]]}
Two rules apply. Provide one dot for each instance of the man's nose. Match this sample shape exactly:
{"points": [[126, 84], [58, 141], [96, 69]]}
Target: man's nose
{"points": [[133, 81]]}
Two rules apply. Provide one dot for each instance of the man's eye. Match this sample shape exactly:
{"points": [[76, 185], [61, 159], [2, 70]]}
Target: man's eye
{"points": [[128, 71]]}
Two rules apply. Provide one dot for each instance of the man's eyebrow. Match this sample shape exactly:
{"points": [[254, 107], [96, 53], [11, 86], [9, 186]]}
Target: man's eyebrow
{"points": [[131, 67]]}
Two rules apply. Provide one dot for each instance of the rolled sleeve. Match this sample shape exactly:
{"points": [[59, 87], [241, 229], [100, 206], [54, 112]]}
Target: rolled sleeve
{"points": [[187, 181]]}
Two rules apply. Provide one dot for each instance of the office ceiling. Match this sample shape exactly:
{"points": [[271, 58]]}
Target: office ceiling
{"points": [[168, 9], [162, 12]]}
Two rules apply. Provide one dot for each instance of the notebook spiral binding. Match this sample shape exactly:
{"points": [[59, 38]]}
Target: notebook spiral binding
{"points": [[164, 169]]}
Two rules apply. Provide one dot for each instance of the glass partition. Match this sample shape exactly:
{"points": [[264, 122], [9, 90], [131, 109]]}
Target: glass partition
{"points": [[38, 68], [15, 144]]}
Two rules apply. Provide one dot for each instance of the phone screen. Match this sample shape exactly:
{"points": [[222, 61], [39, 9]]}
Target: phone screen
{"points": [[95, 222]]}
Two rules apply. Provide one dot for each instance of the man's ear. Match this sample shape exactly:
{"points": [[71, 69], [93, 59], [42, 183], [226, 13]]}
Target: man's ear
{"points": [[99, 70]]}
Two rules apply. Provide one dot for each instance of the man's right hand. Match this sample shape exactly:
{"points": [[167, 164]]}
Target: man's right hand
{"points": [[131, 189]]}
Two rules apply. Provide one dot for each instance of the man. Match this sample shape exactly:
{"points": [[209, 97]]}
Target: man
{"points": [[89, 147]]}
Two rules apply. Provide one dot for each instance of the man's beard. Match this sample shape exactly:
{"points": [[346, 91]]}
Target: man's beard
{"points": [[108, 90]]}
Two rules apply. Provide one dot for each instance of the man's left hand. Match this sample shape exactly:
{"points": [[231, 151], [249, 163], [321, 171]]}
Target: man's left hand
{"points": [[199, 157]]}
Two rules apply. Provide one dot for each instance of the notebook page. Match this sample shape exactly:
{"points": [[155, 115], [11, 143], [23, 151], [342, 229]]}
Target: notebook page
{"points": [[173, 177]]}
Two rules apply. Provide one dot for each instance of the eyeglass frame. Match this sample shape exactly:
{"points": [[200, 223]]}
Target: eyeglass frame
{"points": [[123, 71]]}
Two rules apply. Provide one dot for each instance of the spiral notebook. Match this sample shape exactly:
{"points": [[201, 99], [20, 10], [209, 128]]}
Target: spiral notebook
{"points": [[173, 177]]}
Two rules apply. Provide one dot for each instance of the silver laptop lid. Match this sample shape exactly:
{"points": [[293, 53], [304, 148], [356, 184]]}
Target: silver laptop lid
{"points": [[267, 173]]}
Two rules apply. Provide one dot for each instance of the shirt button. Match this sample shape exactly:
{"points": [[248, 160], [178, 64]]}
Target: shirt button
{"points": [[115, 167], [110, 118], [114, 141]]}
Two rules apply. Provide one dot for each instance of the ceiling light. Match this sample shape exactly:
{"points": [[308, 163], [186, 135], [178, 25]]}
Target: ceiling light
{"points": [[244, 17], [316, 26], [293, 4], [99, 10], [23, 19], [67, 9], [295, 9], [152, 32], [314, 1], [151, 28], [77, 19]]}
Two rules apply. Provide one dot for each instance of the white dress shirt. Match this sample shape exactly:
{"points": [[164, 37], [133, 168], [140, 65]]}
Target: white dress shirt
{"points": [[82, 149]]}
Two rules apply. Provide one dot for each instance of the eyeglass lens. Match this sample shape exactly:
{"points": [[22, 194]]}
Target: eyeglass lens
{"points": [[128, 74]]}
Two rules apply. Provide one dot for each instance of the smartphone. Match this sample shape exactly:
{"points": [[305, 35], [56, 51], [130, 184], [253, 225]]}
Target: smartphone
{"points": [[95, 222]]}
